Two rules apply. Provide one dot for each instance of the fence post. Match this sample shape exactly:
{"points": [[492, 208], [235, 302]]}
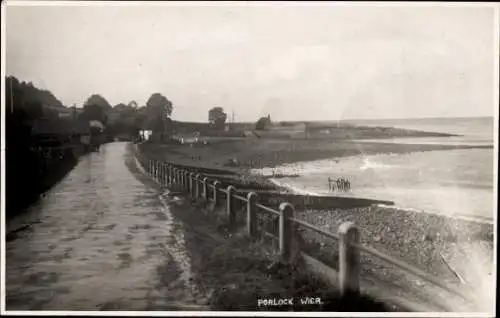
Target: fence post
{"points": [[178, 178], [197, 186], [155, 167], [192, 183], [164, 174], [251, 216], [230, 206], [189, 182], [173, 176], [184, 176], [286, 230], [216, 193], [169, 174], [205, 189], [182, 179], [158, 172], [161, 166], [349, 265], [186, 181]]}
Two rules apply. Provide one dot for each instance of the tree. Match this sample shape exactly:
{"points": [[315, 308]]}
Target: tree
{"points": [[263, 123], [217, 117], [159, 105], [97, 99], [35, 102], [96, 108], [141, 120], [158, 109], [94, 112], [132, 104], [119, 107]]}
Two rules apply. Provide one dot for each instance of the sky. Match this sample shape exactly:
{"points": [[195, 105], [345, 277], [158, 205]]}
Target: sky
{"points": [[295, 61]]}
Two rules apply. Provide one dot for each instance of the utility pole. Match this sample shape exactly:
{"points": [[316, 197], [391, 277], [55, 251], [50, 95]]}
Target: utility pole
{"points": [[232, 119], [11, 98]]}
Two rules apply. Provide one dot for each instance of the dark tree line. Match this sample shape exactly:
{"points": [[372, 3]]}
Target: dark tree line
{"points": [[42, 133], [27, 165]]}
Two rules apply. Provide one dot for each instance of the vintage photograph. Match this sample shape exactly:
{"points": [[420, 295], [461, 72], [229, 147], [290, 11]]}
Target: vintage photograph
{"points": [[249, 158]]}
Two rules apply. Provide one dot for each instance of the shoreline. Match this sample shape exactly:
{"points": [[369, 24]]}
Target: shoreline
{"points": [[241, 175], [468, 218]]}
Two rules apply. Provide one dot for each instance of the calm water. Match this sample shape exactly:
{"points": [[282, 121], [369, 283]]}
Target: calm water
{"points": [[453, 182]]}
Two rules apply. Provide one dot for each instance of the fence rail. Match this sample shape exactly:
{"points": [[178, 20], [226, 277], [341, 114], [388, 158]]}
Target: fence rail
{"points": [[348, 236], [267, 209]]}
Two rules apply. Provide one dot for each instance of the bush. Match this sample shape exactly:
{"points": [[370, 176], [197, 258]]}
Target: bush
{"points": [[263, 123]]}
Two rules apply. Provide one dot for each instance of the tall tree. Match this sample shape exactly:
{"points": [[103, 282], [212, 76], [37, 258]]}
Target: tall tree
{"points": [[97, 99], [158, 109], [96, 108], [159, 105], [217, 117]]}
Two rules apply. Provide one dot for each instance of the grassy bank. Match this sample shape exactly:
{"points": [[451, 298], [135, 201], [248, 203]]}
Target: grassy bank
{"points": [[31, 173], [236, 272]]}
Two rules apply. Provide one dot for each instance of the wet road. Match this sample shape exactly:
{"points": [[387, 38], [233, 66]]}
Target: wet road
{"points": [[102, 239]]}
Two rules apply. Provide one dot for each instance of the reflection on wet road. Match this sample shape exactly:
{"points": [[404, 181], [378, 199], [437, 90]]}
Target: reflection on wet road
{"points": [[105, 240]]}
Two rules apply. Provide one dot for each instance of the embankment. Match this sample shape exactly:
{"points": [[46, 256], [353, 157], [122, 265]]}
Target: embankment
{"points": [[32, 172]]}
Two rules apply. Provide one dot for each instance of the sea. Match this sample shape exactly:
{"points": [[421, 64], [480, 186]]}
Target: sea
{"points": [[458, 183]]}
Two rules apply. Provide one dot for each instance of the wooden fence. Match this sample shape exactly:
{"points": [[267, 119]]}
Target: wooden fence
{"points": [[346, 279]]}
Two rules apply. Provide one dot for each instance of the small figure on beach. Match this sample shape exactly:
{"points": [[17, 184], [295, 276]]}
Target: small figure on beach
{"points": [[343, 184], [339, 184], [331, 185]]}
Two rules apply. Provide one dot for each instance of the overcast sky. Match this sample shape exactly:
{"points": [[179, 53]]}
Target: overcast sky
{"points": [[294, 61]]}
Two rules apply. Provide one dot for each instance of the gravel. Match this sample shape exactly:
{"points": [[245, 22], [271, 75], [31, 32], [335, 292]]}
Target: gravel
{"points": [[420, 239]]}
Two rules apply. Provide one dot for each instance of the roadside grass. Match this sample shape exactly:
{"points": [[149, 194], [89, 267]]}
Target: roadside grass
{"points": [[246, 272], [239, 271]]}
